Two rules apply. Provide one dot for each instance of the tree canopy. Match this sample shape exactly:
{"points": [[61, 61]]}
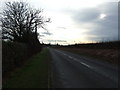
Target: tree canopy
{"points": [[19, 22]]}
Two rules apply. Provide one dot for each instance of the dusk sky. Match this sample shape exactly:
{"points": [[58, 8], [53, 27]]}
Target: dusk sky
{"points": [[77, 21]]}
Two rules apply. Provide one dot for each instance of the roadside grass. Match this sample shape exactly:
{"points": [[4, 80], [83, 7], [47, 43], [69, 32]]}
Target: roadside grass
{"points": [[93, 55], [33, 74]]}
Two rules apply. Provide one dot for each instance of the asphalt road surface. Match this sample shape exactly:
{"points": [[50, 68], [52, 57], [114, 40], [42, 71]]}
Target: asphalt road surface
{"points": [[70, 70]]}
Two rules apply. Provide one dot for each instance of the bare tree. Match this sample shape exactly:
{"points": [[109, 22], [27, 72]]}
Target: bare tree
{"points": [[20, 22]]}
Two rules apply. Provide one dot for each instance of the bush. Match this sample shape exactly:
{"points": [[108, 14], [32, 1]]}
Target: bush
{"points": [[13, 55]]}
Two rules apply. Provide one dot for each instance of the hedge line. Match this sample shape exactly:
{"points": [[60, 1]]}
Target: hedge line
{"points": [[101, 45], [13, 55]]}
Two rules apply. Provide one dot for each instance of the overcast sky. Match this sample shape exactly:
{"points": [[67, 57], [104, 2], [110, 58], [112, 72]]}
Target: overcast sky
{"points": [[75, 21]]}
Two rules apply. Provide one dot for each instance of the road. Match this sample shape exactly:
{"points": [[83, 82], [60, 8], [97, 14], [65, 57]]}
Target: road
{"points": [[70, 70]]}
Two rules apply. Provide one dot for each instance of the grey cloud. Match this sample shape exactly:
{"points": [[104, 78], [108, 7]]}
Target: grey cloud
{"points": [[109, 7], [61, 27], [86, 15], [47, 33], [107, 28], [42, 35], [101, 38], [57, 40], [92, 14]]}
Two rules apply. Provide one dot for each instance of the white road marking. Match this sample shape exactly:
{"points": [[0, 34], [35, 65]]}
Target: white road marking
{"points": [[63, 54], [82, 63], [60, 52], [85, 64], [75, 59], [70, 57]]}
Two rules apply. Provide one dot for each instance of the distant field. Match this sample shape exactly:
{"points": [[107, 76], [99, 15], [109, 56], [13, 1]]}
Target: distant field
{"points": [[107, 55], [107, 51]]}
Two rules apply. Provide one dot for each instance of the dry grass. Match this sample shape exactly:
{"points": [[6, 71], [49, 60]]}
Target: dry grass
{"points": [[107, 55]]}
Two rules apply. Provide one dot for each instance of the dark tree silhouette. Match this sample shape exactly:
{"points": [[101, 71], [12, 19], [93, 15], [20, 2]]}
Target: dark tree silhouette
{"points": [[20, 22]]}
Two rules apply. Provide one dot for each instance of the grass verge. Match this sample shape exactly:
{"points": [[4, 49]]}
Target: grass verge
{"points": [[34, 74]]}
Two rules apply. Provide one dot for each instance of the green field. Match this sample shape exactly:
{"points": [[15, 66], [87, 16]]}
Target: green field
{"points": [[33, 74]]}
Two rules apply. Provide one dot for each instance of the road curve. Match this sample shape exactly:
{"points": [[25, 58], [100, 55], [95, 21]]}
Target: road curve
{"points": [[70, 70]]}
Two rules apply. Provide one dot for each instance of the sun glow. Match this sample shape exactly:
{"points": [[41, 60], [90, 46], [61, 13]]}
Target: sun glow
{"points": [[102, 16]]}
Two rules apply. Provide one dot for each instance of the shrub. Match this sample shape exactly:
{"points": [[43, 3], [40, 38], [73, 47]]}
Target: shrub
{"points": [[13, 55]]}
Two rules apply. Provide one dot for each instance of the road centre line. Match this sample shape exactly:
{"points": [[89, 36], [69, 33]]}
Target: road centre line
{"points": [[70, 57], [85, 64], [80, 62], [75, 59]]}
